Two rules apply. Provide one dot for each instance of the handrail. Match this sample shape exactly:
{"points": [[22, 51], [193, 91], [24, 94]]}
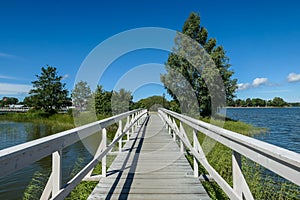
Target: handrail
{"points": [[14, 109], [279, 160], [20, 156]]}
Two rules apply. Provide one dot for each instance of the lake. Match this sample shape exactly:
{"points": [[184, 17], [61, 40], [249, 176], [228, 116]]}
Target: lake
{"points": [[283, 124]]}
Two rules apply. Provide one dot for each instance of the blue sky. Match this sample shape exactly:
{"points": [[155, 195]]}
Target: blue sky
{"points": [[261, 39]]}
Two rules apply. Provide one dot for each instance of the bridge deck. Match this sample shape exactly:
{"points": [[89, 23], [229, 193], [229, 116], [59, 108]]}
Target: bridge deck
{"points": [[151, 166]]}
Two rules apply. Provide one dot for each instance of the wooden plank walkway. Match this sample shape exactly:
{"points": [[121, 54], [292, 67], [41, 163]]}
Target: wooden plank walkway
{"points": [[151, 166]]}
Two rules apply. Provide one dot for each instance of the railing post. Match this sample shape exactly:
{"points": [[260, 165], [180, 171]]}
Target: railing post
{"points": [[132, 125], [181, 143], [236, 175], [174, 131], [120, 133], [195, 142], [138, 121], [57, 172], [128, 121], [104, 140]]}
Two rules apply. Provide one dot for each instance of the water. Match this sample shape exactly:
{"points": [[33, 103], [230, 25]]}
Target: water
{"points": [[283, 124], [14, 185]]}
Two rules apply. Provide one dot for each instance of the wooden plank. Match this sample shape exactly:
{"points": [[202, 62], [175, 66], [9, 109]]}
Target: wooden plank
{"points": [[151, 167]]}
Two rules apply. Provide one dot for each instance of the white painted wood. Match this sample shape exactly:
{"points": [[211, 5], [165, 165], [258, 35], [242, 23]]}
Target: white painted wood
{"points": [[202, 159], [127, 124], [120, 133], [104, 141], [48, 188], [80, 175], [19, 156], [196, 167], [281, 161], [236, 174], [239, 183], [56, 172]]}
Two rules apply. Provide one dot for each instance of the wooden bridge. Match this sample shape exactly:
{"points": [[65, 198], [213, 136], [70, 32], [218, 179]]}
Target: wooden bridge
{"points": [[151, 164], [13, 109]]}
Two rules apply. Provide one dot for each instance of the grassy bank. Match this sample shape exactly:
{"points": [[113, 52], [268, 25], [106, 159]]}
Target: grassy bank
{"points": [[57, 122]]}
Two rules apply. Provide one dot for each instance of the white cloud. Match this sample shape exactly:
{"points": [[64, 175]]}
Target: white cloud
{"points": [[293, 77], [259, 81], [244, 86], [14, 89], [256, 82]]}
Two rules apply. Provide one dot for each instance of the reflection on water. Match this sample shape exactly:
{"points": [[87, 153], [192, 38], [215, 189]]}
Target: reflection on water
{"points": [[31, 180]]}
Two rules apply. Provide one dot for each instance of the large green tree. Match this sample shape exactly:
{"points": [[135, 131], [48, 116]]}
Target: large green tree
{"points": [[49, 93], [81, 95], [200, 78]]}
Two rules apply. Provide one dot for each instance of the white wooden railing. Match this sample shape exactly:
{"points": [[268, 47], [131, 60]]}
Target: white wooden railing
{"points": [[281, 161], [20, 156]]}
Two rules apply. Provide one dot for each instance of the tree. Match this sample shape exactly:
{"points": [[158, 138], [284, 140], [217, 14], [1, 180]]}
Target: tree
{"points": [[278, 102], [121, 101], [102, 101], [6, 101], [153, 103], [81, 95], [200, 78], [248, 102], [48, 93]]}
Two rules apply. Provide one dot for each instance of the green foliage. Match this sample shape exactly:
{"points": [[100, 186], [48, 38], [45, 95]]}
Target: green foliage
{"points": [[35, 188], [257, 102], [6, 101], [57, 122], [81, 95], [121, 101], [278, 102], [236, 126], [152, 103], [102, 101], [112, 103], [183, 81], [48, 93], [82, 191]]}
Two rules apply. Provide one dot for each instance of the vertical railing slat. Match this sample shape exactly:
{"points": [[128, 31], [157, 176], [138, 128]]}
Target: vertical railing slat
{"points": [[104, 142], [195, 140], [56, 172], [236, 176], [127, 124], [120, 132]]}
